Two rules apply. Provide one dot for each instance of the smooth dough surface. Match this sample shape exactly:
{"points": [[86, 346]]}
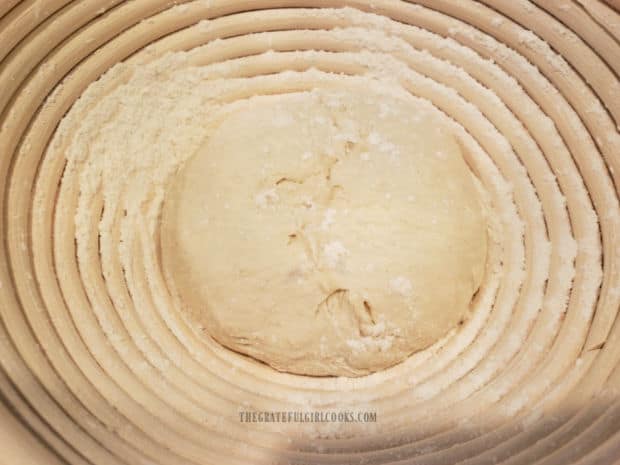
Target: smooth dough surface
{"points": [[326, 232]]}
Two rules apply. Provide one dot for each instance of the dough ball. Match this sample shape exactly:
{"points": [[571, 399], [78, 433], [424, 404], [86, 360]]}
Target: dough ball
{"points": [[326, 232]]}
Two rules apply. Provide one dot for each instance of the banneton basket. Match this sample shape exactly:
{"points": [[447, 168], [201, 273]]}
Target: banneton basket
{"points": [[533, 377]]}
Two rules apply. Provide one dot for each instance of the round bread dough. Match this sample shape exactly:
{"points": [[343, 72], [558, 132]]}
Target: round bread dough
{"points": [[326, 232]]}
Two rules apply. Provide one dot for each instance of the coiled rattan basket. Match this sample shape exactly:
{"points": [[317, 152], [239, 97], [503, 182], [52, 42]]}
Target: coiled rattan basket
{"points": [[91, 371]]}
